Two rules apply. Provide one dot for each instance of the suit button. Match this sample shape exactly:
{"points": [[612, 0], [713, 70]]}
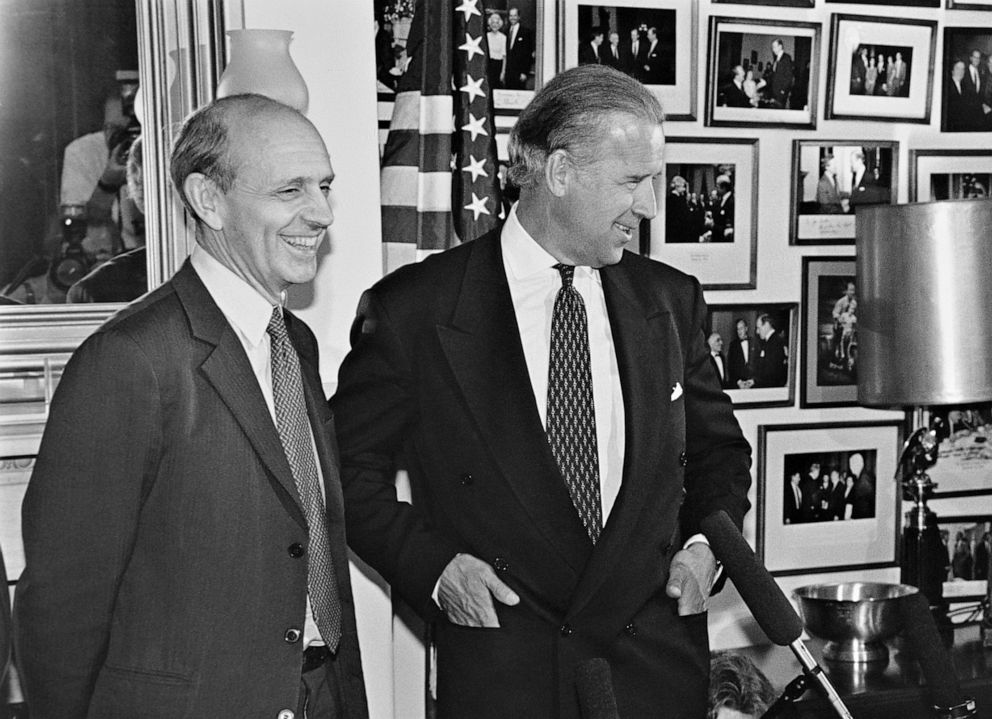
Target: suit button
{"points": [[292, 635], [285, 714], [683, 458], [566, 630], [296, 550], [467, 479], [631, 629], [500, 564]]}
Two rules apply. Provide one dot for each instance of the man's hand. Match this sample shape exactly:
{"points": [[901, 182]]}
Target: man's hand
{"points": [[466, 590], [691, 578]]}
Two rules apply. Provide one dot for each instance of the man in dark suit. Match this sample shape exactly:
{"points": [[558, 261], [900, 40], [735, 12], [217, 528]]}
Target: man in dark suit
{"points": [[170, 568], [542, 555], [732, 94], [810, 486], [838, 495], [743, 351], [715, 342], [611, 55], [865, 190], [771, 368], [591, 52], [654, 61], [793, 499], [519, 52], [827, 194], [859, 71], [632, 54], [963, 104], [778, 87], [723, 211]]}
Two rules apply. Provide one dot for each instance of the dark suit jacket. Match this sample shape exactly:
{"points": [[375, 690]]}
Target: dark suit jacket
{"points": [[629, 62], [732, 96], [655, 64], [519, 57], [741, 367], [964, 108], [793, 511], [5, 629], [723, 218], [770, 367], [859, 75], [588, 54], [781, 81], [725, 377], [159, 527], [606, 49], [867, 192], [437, 373], [121, 279], [827, 196]]}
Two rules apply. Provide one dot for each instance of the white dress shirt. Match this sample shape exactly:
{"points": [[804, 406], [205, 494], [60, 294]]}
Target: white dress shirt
{"points": [[534, 283], [248, 314]]}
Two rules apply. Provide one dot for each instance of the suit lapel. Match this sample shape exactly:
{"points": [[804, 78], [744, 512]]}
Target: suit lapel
{"points": [[482, 347], [227, 369], [650, 363]]}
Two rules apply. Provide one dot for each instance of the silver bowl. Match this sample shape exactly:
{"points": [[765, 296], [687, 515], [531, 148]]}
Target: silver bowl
{"points": [[854, 617]]}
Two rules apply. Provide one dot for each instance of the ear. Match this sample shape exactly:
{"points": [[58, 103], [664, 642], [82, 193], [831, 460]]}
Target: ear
{"points": [[558, 171], [206, 199]]}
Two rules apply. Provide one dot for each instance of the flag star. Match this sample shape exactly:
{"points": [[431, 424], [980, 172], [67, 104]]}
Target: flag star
{"points": [[468, 7], [478, 206], [472, 46], [476, 167], [475, 126], [473, 88]]}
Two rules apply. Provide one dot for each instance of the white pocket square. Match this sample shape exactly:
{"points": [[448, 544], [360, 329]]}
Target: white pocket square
{"points": [[676, 391]]}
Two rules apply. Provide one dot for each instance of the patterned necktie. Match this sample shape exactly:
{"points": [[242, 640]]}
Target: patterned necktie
{"points": [[294, 432], [571, 422]]}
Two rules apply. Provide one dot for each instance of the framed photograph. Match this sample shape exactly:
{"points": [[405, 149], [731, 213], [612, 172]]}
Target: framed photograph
{"points": [[964, 459], [779, 3], [762, 73], [753, 349], [880, 69], [967, 96], [707, 225], [908, 3], [968, 545], [831, 179], [949, 174], [969, 5], [826, 498], [830, 333], [653, 41]]}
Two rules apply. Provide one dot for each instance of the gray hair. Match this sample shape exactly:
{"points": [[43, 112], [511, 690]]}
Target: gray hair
{"points": [[203, 145], [574, 112]]}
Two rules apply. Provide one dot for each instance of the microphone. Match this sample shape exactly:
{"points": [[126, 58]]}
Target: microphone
{"points": [[923, 637], [768, 605], [594, 683]]}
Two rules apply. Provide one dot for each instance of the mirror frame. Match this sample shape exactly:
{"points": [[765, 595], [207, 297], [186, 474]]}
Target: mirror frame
{"points": [[181, 54]]}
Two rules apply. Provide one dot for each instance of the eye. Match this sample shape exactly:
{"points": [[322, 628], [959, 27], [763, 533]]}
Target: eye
{"points": [[289, 192], [325, 187]]}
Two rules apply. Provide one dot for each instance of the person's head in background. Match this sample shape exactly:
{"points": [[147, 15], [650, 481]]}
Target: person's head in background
{"points": [[738, 689]]}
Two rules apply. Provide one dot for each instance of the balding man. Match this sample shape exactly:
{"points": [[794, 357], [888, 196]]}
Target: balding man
{"points": [[195, 563]]}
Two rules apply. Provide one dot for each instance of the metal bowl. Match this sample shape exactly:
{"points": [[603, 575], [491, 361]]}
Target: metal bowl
{"points": [[854, 617]]}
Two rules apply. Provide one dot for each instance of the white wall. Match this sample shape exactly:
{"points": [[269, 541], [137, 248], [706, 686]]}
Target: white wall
{"points": [[333, 48]]}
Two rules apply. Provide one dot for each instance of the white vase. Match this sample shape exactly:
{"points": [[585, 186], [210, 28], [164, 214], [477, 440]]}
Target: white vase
{"points": [[260, 63]]}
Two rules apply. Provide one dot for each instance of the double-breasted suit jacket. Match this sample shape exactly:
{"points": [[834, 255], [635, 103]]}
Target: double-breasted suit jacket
{"points": [[437, 378], [163, 531]]}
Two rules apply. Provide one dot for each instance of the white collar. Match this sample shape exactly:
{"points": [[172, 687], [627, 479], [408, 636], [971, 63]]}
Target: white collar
{"points": [[523, 257]]}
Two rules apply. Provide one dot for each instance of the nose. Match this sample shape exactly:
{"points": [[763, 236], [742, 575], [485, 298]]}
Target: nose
{"points": [[318, 211], [645, 199]]}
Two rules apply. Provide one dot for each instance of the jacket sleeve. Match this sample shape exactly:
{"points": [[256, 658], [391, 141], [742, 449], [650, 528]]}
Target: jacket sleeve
{"points": [[718, 458], [376, 412], [80, 517]]}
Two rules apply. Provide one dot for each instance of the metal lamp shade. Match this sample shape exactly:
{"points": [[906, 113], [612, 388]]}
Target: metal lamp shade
{"points": [[924, 276]]}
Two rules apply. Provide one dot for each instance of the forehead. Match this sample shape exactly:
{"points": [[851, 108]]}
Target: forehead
{"points": [[633, 145], [277, 147]]}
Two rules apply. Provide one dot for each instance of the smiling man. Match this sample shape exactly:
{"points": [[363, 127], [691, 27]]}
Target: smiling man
{"points": [[552, 397], [184, 524]]}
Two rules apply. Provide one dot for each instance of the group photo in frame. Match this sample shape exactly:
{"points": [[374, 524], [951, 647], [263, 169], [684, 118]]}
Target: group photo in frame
{"points": [[967, 80], [880, 69], [949, 175], [831, 179], [707, 223], [829, 376], [653, 41], [826, 496], [762, 73], [753, 349]]}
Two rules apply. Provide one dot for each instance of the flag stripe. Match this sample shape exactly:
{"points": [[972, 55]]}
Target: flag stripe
{"points": [[432, 152], [412, 226]]}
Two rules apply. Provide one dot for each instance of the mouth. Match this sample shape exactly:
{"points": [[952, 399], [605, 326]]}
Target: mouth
{"points": [[303, 243], [625, 230]]}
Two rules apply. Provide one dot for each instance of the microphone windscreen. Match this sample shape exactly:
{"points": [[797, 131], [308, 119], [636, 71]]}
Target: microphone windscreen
{"points": [[594, 683], [924, 640], [769, 606]]}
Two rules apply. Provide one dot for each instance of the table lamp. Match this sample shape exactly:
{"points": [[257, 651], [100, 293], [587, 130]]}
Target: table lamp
{"points": [[924, 340]]}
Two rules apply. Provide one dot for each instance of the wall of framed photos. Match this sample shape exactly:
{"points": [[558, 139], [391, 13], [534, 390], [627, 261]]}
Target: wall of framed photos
{"points": [[794, 241]]}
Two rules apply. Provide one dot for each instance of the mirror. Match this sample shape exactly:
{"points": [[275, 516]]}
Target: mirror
{"points": [[73, 76]]}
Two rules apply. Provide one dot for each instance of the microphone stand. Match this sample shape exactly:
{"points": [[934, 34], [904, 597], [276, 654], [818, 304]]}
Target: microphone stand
{"points": [[814, 671], [783, 706]]}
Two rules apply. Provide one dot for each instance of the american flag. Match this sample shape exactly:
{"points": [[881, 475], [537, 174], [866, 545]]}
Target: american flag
{"points": [[439, 178]]}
